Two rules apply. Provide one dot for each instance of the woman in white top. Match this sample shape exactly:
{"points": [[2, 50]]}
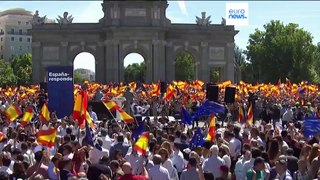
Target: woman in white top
{"points": [[224, 153], [167, 163]]}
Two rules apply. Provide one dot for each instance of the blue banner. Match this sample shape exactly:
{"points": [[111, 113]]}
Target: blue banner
{"points": [[60, 90]]}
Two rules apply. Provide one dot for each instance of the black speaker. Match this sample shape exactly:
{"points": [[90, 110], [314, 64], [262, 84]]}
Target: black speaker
{"points": [[212, 92], [43, 85], [100, 109], [229, 96], [163, 87]]}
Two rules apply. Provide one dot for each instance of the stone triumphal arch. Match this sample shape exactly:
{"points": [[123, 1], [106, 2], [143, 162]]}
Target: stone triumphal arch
{"points": [[134, 26]]}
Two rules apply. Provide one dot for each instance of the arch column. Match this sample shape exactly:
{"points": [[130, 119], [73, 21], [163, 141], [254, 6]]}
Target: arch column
{"points": [[99, 63], [170, 59]]}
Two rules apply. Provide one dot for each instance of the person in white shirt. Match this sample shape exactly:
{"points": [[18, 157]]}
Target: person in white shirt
{"points": [[136, 162], [212, 164], [177, 158], [239, 165], [95, 154], [6, 162], [92, 114], [287, 116], [167, 163], [234, 146], [105, 139], [157, 172], [249, 164], [281, 168]]}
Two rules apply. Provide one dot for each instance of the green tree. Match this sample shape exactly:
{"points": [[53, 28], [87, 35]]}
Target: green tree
{"points": [[184, 67], [22, 68], [135, 72], [215, 75], [281, 51], [78, 78], [6, 74]]}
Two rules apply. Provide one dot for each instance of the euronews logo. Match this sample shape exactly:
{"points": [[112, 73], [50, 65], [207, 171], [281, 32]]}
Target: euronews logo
{"points": [[237, 14]]}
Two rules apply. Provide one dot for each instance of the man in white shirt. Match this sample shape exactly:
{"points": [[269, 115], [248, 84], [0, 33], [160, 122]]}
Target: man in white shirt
{"points": [[249, 164], [157, 172], [234, 146], [105, 139], [177, 158], [136, 162], [239, 165], [92, 114], [287, 116], [212, 164], [281, 168], [96, 154]]}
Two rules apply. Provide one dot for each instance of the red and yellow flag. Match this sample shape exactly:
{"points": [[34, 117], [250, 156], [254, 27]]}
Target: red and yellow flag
{"points": [[13, 112], [89, 120], [27, 117], [142, 143], [1, 136], [125, 116], [47, 137], [111, 105], [212, 128], [80, 107], [44, 115], [241, 117], [250, 115]]}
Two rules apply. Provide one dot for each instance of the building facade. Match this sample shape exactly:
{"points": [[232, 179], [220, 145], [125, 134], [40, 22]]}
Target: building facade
{"points": [[15, 36], [135, 26]]}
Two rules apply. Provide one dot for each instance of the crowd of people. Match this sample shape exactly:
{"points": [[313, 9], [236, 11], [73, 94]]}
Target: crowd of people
{"points": [[274, 147]]}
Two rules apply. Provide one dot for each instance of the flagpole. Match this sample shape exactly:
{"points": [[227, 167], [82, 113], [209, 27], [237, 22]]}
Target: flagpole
{"points": [[113, 118]]}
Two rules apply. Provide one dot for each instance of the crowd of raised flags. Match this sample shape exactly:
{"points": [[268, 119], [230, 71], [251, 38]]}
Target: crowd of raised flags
{"points": [[290, 94]]}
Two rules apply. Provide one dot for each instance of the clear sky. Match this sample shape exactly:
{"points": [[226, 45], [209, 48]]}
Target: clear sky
{"points": [[304, 13]]}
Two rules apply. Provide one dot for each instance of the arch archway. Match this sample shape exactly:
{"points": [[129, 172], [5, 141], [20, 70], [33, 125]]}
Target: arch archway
{"points": [[84, 67], [134, 68], [185, 66]]}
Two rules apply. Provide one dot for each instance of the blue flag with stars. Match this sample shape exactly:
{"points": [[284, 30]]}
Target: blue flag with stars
{"points": [[197, 140], [311, 126], [208, 108], [185, 116]]}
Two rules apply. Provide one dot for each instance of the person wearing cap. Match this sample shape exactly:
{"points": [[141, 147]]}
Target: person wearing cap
{"points": [[282, 170], [53, 171], [257, 171]]}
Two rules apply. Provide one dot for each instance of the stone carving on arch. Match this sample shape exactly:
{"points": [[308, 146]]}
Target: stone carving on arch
{"points": [[72, 53]]}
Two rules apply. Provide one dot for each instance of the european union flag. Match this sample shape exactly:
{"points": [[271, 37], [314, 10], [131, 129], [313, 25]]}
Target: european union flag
{"points": [[138, 131], [197, 139], [185, 116], [209, 108], [311, 126], [88, 138]]}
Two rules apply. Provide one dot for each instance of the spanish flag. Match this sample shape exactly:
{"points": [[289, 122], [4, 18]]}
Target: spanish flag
{"points": [[212, 128], [1, 136], [13, 112], [250, 116], [47, 137], [27, 117], [80, 107], [125, 116], [112, 106], [89, 120], [142, 143], [44, 115], [241, 117]]}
